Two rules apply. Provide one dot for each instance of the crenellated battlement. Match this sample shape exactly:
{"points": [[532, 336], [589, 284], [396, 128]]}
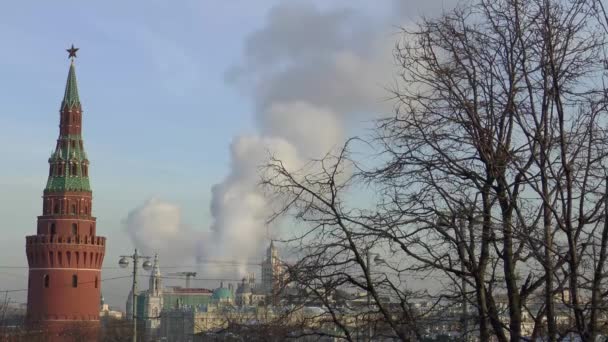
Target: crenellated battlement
{"points": [[59, 239]]}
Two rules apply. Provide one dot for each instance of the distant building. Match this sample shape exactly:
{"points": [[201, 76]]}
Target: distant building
{"points": [[248, 293], [153, 300], [106, 313], [273, 272]]}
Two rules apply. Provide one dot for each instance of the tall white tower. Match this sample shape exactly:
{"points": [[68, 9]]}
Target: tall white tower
{"points": [[271, 270], [154, 301]]}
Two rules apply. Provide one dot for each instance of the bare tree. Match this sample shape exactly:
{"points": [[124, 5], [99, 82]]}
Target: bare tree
{"points": [[491, 178]]}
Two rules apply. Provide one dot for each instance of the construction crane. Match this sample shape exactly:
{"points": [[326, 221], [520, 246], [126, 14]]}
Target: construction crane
{"points": [[188, 275]]}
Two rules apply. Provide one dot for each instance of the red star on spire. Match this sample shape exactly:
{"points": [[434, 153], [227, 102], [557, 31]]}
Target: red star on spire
{"points": [[72, 51]]}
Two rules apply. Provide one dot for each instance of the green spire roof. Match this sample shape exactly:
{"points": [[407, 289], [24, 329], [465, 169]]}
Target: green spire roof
{"points": [[70, 98]]}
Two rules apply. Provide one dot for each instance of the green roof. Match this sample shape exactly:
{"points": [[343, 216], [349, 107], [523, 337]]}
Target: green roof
{"points": [[222, 293], [69, 153], [70, 98], [69, 160]]}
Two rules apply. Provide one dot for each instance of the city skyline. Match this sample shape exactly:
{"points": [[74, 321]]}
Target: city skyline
{"points": [[160, 112]]}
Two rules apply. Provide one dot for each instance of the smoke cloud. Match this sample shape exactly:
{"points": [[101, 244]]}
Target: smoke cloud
{"points": [[311, 73], [156, 227]]}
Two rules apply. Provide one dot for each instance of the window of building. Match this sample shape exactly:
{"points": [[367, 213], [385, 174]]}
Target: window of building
{"points": [[74, 281], [91, 230], [86, 210], [73, 209], [51, 261], [56, 208], [46, 281], [74, 170], [53, 229], [74, 229]]}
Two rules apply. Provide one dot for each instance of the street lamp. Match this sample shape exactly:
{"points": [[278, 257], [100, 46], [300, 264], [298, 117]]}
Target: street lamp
{"points": [[147, 265]]}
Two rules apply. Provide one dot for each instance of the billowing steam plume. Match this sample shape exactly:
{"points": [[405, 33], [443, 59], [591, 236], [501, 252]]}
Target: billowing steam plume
{"points": [[310, 73], [313, 75]]}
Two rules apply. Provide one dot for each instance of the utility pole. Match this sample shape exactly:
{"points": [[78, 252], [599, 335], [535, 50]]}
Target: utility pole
{"points": [[465, 321], [369, 294], [147, 265]]}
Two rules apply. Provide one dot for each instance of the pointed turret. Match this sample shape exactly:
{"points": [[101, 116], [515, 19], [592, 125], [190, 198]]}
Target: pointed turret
{"points": [[155, 284], [69, 164], [70, 97]]}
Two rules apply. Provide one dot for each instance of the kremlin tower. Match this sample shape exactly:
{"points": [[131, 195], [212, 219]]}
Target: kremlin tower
{"points": [[65, 255]]}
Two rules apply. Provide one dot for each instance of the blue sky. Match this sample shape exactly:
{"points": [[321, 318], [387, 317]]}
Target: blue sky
{"points": [[159, 116]]}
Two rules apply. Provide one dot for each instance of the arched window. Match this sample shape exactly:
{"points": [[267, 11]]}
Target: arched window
{"points": [[56, 208], [74, 281], [74, 229], [73, 209], [46, 281], [91, 230], [53, 229], [74, 170], [68, 258]]}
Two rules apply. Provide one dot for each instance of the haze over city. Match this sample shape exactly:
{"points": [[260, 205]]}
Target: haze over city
{"points": [[307, 170], [180, 101]]}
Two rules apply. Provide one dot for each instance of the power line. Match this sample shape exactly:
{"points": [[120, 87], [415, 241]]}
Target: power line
{"points": [[83, 282]]}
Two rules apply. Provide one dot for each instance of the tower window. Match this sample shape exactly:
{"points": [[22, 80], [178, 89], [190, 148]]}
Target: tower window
{"points": [[53, 229], [74, 281], [91, 230], [73, 209], [74, 170], [73, 143], [56, 208], [46, 281], [86, 210], [74, 229]]}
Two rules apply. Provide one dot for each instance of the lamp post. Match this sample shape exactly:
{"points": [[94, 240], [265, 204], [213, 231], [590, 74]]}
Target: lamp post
{"points": [[147, 265], [377, 261]]}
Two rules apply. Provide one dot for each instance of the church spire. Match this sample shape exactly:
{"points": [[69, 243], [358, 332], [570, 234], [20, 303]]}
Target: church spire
{"points": [[155, 284]]}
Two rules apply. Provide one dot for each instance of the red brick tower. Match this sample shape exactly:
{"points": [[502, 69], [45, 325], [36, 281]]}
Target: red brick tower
{"points": [[65, 255]]}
